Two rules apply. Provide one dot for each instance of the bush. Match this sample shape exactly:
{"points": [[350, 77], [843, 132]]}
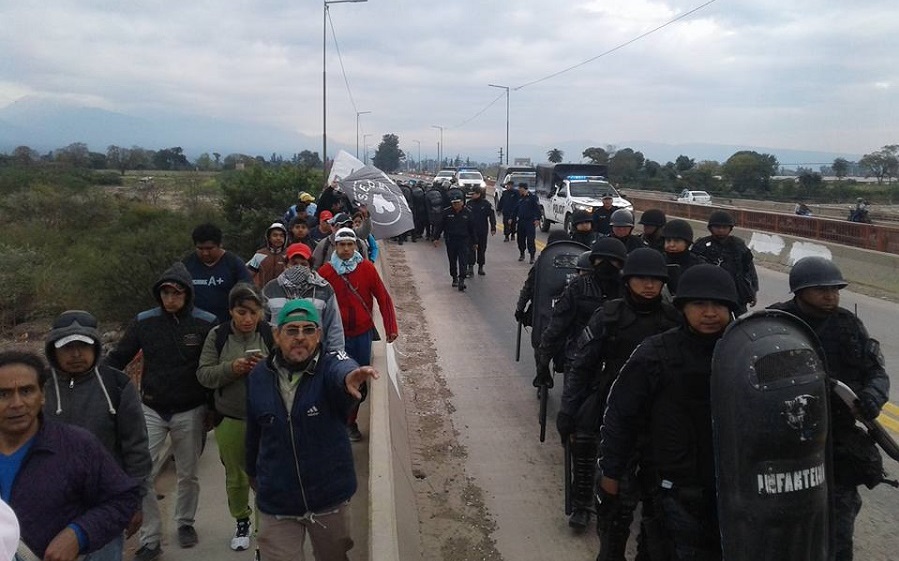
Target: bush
{"points": [[19, 268], [106, 178]]}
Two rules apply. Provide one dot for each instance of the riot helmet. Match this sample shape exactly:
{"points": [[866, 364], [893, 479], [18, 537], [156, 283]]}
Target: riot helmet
{"points": [[622, 217], [608, 248], [707, 282], [580, 216], [815, 271], [583, 262], [556, 236], [653, 217], [721, 218], [678, 229], [645, 262]]}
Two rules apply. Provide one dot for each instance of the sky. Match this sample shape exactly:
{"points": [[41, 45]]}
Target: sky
{"points": [[805, 74]]}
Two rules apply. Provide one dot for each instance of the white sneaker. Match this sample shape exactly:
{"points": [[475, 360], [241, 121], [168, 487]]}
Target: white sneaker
{"points": [[241, 539]]}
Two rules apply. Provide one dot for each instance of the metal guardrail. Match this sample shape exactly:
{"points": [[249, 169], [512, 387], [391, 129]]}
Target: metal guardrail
{"points": [[865, 236]]}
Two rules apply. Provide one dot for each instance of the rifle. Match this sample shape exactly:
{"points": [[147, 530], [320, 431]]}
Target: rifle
{"points": [[875, 429], [543, 394], [518, 344], [567, 452]]}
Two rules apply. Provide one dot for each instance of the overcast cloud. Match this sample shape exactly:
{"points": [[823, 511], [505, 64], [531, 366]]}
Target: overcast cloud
{"points": [[807, 74]]}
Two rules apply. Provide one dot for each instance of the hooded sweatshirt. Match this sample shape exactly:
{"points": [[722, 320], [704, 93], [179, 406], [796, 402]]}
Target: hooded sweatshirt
{"points": [[101, 400], [301, 282], [171, 344]]}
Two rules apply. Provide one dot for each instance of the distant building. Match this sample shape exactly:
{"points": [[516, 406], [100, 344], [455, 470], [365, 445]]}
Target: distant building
{"points": [[522, 162]]}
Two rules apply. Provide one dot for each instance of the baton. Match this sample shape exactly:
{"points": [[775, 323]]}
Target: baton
{"points": [[544, 397], [518, 344], [567, 452], [875, 429]]}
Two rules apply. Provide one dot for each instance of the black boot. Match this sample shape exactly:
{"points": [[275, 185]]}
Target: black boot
{"points": [[521, 256], [455, 282], [462, 284], [531, 261], [481, 270], [583, 451]]}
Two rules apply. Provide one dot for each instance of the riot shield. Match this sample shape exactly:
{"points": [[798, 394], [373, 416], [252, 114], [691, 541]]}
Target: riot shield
{"points": [[554, 269], [770, 418]]}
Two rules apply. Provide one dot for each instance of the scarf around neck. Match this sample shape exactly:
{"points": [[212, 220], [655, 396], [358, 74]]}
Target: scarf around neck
{"points": [[344, 267]]}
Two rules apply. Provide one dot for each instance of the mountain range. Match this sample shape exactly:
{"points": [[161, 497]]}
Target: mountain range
{"points": [[45, 125]]}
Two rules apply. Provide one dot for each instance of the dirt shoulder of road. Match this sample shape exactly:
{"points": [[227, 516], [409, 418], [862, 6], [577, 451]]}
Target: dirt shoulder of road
{"points": [[454, 522]]}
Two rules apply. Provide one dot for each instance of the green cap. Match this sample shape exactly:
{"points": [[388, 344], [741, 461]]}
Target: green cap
{"points": [[298, 310]]}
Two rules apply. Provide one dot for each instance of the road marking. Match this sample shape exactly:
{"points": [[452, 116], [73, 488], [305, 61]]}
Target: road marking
{"points": [[540, 244], [889, 417]]}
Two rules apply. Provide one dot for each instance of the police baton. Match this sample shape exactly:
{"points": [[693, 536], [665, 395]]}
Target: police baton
{"points": [[875, 429], [543, 392], [567, 451], [518, 344]]}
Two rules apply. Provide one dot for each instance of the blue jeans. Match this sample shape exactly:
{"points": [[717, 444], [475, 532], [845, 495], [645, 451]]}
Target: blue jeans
{"points": [[109, 552], [359, 348]]}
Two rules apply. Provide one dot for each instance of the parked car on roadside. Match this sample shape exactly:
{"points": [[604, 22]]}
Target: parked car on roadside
{"points": [[694, 197]]}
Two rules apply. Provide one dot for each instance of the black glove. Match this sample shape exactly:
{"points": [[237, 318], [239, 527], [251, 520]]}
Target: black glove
{"points": [[544, 376], [606, 507], [868, 405], [519, 316], [566, 425]]}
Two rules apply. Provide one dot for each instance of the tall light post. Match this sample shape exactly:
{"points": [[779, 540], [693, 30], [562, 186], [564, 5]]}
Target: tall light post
{"points": [[419, 155], [439, 146], [507, 117], [357, 130], [326, 3], [365, 148]]}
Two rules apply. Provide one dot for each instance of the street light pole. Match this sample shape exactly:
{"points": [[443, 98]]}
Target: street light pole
{"points": [[365, 148], [357, 130], [419, 154], [507, 117], [439, 146], [325, 78]]}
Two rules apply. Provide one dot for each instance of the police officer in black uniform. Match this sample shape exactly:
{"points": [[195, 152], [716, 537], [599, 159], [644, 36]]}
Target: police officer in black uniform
{"points": [[436, 200], [508, 201], [853, 358], [613, 332], [622, 222], [659, 407], [652, 221], [677, 236], [582, 228], [484, 220], [458, 225], [602, 216], [526, 294], [419, 211], [577, 303], [729, 252], [527, 213]]}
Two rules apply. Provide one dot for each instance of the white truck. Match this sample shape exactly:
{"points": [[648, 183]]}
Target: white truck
{"points": [[563, 189]]}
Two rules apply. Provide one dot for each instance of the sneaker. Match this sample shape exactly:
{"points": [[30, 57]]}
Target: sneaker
{"points": [[147, 553], [187, 536], [241, 539], [352, 431]]}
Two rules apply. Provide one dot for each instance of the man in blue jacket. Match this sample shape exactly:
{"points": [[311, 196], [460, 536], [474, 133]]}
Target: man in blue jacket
{"points": [[528, 215], [299, 458]]}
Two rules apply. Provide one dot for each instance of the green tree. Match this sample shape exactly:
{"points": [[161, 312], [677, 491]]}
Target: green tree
{"points": [[883, 163], [625, 165], [171, 159], [810, 182], [388, 155], [139, 158], [840, 167], [684, 163], [596, 155], [750, 172], [204, 162], [555, 155], [308, 159], [25, 156], [117, 158], [75, 154]]}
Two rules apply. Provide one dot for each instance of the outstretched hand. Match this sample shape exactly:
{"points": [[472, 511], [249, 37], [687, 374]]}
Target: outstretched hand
{"points": [[357, 377]]}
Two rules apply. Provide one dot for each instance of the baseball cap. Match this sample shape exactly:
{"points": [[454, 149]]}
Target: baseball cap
{"points": [[298, 310], [341, 218], [456, 197], [298, 249], [71, 339], [607, 196], [178, 287], [306, 197], [325, 216], [344, 235]]}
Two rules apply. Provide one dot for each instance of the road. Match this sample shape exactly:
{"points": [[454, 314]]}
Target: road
{"points": [[495, 410]]}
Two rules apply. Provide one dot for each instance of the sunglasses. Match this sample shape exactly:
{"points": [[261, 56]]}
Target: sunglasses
{"points": [[295, 332]]}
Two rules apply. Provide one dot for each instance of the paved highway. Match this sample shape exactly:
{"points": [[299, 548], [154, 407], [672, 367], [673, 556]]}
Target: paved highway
{"points": [[496, 410]]}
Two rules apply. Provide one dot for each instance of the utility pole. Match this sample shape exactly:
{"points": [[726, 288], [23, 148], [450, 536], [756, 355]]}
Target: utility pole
{"points": [[439, 146], [507, 119]]}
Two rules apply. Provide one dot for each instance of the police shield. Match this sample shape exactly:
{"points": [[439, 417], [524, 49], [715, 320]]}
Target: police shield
{"points": [[553, 271], [770, 413]]}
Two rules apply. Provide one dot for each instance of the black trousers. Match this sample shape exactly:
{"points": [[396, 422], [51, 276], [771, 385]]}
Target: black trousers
{"points": [[479, 255], [457, 253], [527, 234]]}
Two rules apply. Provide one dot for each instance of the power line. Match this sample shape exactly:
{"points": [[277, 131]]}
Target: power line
{"points": [[342, 69], [479, 113], [619, 47]]}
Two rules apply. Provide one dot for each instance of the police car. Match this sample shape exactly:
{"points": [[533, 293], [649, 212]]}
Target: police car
{"points": [[573, 193], [466, 179]]}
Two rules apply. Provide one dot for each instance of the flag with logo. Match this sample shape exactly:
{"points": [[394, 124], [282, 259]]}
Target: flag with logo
{"points": [[388, 208]]}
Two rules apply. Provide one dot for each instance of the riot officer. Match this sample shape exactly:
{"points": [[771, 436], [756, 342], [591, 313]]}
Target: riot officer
{"points": [[458, 225], [407, 194], [484, 219], [659, 407], [578, 302], [582, 228], [507, 203], [622, 222], [419, 211], [652, 221], [527, 212], [729, 252], [436, 200], [678, 237], [613, 332], [526, 294], [603, 215], [854, 358]]}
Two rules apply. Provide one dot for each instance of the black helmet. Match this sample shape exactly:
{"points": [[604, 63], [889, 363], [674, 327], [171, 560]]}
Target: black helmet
{"points": [[678, 229], [645, 262], [609, 248], [721, 218], [556, 236], [583, 262], [653, 217], [580, 216], [706, 282], [622, 217], [815, 271]]}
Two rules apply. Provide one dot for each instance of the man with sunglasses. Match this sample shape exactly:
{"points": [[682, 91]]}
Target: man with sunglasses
{"points": [[299, 458]]}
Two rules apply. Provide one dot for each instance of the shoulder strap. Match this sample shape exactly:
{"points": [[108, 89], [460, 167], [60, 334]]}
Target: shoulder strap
{"points": [[356, 293], [222, 331]]}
